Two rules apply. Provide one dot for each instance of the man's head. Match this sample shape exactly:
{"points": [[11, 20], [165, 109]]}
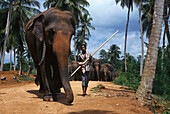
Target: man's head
{"points": [[83, 47]]}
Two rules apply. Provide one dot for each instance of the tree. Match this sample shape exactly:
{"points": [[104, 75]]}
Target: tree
{"points": [[147, 16], [114, 55], [6, 33], [22, 12], [129, 5], [103, 56], [144, 91], [83, 31]]}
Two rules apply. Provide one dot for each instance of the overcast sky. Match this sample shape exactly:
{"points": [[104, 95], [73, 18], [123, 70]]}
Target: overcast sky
{"points": [[107, 19]]}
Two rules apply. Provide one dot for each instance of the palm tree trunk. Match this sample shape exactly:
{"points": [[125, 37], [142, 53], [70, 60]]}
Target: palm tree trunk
{"points": [[144, 91], [20, 69], [126, 37], [166, 17], [141, 31], [6, 33], [14, 60], [11, 59]]}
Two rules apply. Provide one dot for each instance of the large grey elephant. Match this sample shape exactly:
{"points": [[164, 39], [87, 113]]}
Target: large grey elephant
{"points": [[48, 38], [96, 66]]}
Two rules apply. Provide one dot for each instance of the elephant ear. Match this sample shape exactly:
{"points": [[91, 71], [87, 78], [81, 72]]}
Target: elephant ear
{"points": [[36, 26]]}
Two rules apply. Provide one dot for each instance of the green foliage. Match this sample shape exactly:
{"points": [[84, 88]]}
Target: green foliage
{"points": [[111, 56], [133, 65], [6, 67], [161, 85], [128, 79], [104, 57], [97, 88], [26, 78]]}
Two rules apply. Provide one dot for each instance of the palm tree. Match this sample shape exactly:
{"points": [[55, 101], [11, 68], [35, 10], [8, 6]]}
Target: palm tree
{"points": [[139, 3], [147, 16], [47, 3], [22, 12], [83, 33], [129, 5], [114, 55], [103, 56], [85, 25], [166, 18], [144, 91], [6, 31]]}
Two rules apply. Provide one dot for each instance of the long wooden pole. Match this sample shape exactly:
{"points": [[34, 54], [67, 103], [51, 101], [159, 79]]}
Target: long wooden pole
{"points": [[94, 53]]}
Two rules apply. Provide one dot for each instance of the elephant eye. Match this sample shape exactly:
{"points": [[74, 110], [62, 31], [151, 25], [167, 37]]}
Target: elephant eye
{"points": [[51, 31]]}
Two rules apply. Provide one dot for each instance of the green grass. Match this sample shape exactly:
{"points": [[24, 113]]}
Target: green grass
{"points": [[96, 89]]}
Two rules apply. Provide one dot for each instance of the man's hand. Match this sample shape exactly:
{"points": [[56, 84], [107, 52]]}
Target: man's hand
{"points": [[81, 63]]}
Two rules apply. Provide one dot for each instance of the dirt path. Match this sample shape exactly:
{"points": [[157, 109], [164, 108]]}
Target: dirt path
{"points": [[112, 100]]}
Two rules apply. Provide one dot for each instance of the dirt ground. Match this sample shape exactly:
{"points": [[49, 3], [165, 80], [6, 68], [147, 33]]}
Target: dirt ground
{"points": [[24, 98]]}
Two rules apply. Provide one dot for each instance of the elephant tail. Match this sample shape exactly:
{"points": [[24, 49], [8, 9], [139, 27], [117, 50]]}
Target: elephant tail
{"points": [[43, 54]]}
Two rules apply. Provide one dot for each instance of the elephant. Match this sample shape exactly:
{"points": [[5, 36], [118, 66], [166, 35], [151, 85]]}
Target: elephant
{"points": [[48, 37], [73, 67], [104, 73], [92, 75], [96, 66], [110, 67]]}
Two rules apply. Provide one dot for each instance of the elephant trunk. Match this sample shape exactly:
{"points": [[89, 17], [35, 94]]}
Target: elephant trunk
{"points": [[97, 71], [61, 48]]}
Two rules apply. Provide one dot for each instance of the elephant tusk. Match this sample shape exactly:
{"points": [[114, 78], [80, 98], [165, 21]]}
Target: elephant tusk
{"points": [[94, 53], [43, 54]]}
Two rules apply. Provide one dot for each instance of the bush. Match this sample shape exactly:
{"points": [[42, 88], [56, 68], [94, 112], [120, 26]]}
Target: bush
{"points": [[128, 79]]}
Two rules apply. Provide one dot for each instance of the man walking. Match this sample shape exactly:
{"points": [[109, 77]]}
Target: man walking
{"points": [[85, 68]]}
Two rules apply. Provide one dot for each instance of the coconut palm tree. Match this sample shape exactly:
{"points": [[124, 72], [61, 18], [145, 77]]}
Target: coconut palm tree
{"points": [[129, 5], [144, 91], [83, 33], [139, 3], [114, 55], [23, 10], [103, 56], [147, 16], [6, 30], [166, 18]]}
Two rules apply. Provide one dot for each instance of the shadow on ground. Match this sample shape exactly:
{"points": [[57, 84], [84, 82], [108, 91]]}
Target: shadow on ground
{"points": [[61, 97], [93, 112]]}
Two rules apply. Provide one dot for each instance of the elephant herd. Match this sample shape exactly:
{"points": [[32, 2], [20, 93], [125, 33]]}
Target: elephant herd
{"points": [[98, 71]]}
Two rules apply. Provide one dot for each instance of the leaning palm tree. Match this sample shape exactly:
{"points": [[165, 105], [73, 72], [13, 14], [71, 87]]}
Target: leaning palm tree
{"points": [[144, 91], [6, 29], [129, 5]]}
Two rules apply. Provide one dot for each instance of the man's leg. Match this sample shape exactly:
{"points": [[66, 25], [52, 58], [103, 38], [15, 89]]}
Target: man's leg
{"points": [[87, 77], [83, 85]]}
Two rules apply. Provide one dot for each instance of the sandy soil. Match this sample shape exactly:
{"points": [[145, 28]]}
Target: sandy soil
{"points": [[114, 99]]}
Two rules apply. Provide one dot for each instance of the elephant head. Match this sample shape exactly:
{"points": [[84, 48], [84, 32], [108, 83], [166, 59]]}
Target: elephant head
{"points": [[96, 66], [54, 29]]}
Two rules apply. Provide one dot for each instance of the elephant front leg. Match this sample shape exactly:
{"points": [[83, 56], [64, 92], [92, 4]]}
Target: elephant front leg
{"points": [[46, 82]]}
